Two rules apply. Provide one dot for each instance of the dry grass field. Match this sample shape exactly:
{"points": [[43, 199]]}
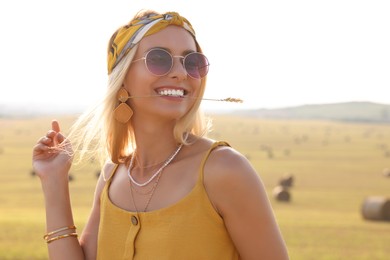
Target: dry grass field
{"points": [[335, 167]]}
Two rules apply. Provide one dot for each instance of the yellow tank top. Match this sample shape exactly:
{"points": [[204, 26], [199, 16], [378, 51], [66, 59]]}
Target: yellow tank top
{"points": [[189, 229]]}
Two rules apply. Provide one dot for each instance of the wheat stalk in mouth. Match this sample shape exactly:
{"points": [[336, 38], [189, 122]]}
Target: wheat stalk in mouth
{"points": [[229, 99]]}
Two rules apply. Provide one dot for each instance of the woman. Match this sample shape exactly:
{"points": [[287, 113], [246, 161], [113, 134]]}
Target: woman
{"points": [[167, 192]]}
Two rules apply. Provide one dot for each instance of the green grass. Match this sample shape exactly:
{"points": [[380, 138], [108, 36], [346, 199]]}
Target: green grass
{"points": [[335, 165]]}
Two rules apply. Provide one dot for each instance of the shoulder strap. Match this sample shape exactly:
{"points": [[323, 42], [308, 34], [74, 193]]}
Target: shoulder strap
{"points": [[212, 147], [111, 174]]}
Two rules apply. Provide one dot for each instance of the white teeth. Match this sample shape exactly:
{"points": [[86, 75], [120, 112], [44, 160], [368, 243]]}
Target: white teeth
{"points": [[172, 92]]}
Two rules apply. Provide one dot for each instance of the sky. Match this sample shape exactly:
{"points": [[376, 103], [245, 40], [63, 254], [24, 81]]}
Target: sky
{"points": [[270, 54]]}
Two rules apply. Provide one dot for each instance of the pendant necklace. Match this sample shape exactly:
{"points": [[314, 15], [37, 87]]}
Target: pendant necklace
{"points": [[151, 192], [158, 173]]}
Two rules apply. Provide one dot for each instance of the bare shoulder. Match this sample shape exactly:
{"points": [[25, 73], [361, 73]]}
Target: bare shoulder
{"points": [[238, 195], [105, 174], [107, 170], [225, 164], [229, 175], [223, 159]]}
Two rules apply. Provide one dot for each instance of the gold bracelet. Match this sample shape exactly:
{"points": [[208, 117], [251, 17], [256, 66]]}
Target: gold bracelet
{"points": [[61, 236], [58, 230]]}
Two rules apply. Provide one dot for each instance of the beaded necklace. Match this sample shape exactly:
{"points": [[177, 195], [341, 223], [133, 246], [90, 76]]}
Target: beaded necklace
{"points": [[158, 173], [168, 161]]}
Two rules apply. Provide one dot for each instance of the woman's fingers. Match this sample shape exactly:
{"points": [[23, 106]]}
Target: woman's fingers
{"points": [[51, 141], [52, 152], [51, 134], [40, 147], [58, 137], [44, 140], [55, 126]]}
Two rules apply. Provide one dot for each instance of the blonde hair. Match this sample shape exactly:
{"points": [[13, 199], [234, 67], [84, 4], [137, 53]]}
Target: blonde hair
{"points": [[97, 135]]}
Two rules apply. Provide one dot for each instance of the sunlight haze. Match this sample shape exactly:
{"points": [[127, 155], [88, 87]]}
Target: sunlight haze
{"points": [[268, 53]]}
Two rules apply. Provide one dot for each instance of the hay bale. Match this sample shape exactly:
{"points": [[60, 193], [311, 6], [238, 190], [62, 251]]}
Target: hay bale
{"points": [[287, 181], [376, 208], [386, 172], [281, 193]]}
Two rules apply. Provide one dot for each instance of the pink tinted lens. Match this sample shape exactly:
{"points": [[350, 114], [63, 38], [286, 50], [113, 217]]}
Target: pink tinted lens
{"points": [[159, 62], [196, 65]]}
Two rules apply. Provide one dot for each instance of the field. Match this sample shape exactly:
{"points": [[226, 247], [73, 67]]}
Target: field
{"points": [[335, 167]]}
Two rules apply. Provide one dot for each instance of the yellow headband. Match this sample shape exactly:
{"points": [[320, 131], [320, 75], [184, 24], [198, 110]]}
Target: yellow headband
{"points": [[129, 35]]}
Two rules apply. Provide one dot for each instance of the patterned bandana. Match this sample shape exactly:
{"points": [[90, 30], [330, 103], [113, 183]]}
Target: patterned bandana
{"points": [[129, 35]]}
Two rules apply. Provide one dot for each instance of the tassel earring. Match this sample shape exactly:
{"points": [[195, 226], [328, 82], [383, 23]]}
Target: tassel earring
{"points": [[123, 112]]}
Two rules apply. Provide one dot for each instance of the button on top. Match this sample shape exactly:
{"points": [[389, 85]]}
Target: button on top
{"points": [[134, 220]]}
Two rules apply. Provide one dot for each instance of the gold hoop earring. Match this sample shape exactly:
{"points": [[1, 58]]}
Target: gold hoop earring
{"points": [[123, 112]]}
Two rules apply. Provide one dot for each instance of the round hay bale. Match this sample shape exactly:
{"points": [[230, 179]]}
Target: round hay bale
{"points": [[281, 193], [376, 208], [287, 180], [386, 172]]}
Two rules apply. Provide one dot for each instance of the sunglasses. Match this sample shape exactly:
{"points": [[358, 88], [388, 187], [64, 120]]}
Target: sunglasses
{"points": [[159, 62]]}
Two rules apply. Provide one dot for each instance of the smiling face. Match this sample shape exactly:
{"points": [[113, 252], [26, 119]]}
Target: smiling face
{"points": [[173, 91]]}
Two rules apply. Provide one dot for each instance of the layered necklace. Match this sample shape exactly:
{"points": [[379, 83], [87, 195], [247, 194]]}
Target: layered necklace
{"points": [[157, 175]]}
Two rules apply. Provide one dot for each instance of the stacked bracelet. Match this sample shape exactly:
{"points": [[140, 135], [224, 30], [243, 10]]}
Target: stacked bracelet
{"points": [[60, 237], [49, 240]]}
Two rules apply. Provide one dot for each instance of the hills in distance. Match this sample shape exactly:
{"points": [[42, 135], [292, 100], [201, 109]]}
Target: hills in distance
{"points": [[348, 111]]}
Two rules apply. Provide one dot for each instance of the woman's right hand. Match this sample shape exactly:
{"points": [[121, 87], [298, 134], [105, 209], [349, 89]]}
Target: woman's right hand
{"points": [[52, 155]]}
